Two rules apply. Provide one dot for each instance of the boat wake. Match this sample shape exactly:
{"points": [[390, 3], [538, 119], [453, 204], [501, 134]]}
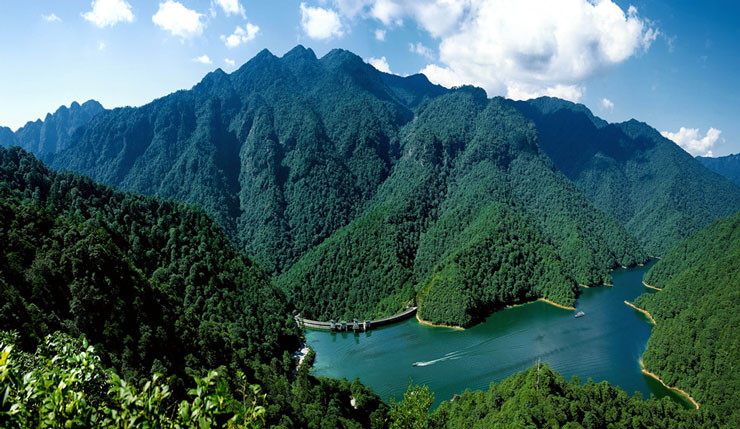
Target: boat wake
{"points": [[449, 356]]}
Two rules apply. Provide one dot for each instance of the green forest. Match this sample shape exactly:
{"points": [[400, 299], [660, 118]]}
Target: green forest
{"points": [[696, 342], [156, 288]]}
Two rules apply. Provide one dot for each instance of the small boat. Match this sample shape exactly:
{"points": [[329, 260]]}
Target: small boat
{"points": [[580, 314], [415, 364]]}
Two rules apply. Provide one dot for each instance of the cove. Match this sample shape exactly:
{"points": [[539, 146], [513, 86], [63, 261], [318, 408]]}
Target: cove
{"points": [[605, 344]]}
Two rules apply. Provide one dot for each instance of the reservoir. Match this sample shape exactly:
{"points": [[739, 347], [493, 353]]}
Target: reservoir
{"points": [[605, 344]]}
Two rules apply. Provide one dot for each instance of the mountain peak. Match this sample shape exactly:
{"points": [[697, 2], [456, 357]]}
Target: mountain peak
{"points": [[300, 52]]}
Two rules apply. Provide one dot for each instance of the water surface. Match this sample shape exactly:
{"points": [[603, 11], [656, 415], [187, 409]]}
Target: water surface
{"points": [[605, 344]]}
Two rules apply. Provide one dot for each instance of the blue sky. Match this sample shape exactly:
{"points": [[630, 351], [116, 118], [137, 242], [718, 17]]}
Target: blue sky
{"points": [[672, 64]]}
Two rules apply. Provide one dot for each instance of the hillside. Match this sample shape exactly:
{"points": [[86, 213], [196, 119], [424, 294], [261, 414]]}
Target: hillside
{"points": [[727, 166], [53, 134], [300, 159], [472, 217], [696, 342], [540, 397], [656, 190], [157, 288]]}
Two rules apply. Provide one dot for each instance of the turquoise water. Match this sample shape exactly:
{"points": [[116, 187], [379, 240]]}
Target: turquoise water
{"points": [[605, 344]]}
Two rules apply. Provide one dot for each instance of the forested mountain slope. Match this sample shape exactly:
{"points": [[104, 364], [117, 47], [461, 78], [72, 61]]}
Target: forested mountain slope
{"points": [[145, 280], [282, 152], [157, 288], [472, 217], [660, 193], [301, 159], [727, 166], [53, 134], [696, 342]]}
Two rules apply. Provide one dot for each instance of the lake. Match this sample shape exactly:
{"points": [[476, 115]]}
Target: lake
{"points": [[605, 344]]}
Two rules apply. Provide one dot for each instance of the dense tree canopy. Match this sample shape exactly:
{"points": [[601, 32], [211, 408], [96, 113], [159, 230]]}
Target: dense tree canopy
{"points": [[157, 288], [540, 397], [696, 342]]}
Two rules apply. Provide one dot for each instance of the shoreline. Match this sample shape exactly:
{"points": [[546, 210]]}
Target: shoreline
{"points": [[564, 307], [645, 312], [675, 389], [651, 287], [434, 325]]}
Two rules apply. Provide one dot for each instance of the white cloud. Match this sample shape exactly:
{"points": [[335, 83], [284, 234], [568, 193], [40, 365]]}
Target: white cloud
{"points": [[607, 104], [319, 23], [690, 140], [519, 48], [380, 34], [229, 62], [241, 35], [51, 18], [203, 59], [380, 64], [107, 13], [101, 45], [231, 7], [178, 20], [422, 50]]}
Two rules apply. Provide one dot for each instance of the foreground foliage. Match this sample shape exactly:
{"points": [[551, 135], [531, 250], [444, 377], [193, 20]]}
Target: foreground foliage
{"points": [[695, 345], [63, 384]]}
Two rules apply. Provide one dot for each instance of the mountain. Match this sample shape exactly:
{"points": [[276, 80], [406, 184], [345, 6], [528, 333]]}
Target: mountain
{"points": [[472, 217], [655, 189], [282, 152], [53, 134], [695, 344], [296, 156], [727, 166]]}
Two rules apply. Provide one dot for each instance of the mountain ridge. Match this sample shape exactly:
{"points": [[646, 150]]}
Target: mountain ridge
{"points": [[53, 134], [647, 182]]}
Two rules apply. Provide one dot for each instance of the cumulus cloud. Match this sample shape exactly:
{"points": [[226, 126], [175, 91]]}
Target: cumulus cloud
{"points": [[690, 140], [107, 13], [422, 50], [319, 23], [607, 104], [229, 62], [380, 64], [178, 20], [519, 48], [380, 34], [231, 7], [203, 59], [241, 35], [51, 18]]}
